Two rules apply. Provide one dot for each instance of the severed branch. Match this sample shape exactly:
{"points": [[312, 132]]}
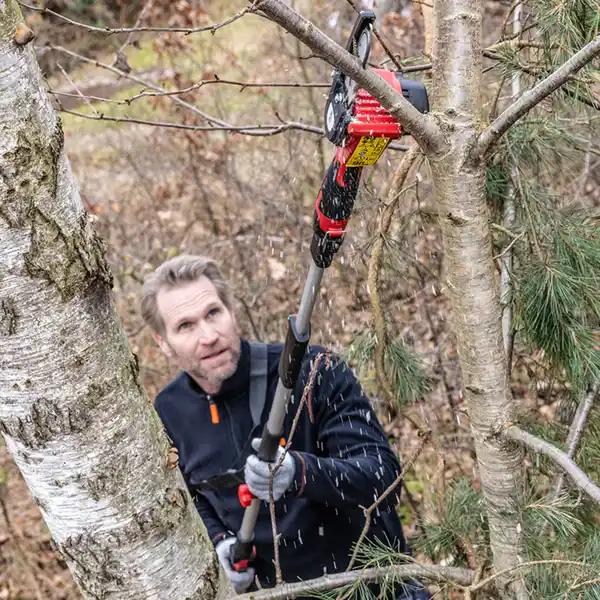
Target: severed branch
{"points": [[534, 96], [425, 131], [113, 31], [303, 400], [440, 574], [581, 480]]}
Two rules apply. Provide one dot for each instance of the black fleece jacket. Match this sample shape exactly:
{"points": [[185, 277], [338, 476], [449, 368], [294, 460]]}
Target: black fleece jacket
{"points": [[343, 461]]}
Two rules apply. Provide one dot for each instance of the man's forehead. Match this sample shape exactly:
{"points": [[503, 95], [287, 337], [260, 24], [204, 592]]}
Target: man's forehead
{"points": [[185, 296]]}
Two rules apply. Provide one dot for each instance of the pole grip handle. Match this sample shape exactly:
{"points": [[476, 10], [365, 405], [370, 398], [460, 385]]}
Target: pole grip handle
{"points": [[242, 555]]}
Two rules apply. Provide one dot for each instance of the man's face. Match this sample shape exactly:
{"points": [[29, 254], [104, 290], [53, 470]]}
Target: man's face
{"points": [[200, 332]]}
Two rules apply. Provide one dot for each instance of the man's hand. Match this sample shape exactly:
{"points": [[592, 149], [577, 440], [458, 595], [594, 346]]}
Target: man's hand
{"points": [[257, 474], [240, 581]]}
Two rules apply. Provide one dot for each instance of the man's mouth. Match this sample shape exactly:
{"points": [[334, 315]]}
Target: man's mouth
{"points": [[214, 355]]}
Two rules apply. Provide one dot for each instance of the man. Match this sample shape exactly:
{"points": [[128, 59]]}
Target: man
{"points": [[338, 462]]}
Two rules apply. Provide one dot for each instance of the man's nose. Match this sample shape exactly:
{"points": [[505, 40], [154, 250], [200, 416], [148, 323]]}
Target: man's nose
{"points": [[208, 336]]}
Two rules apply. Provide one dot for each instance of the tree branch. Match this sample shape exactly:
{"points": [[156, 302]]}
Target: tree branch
{"points": [[423, 129], [288, 591], [534, 96], [581, 480], [575, 432]]}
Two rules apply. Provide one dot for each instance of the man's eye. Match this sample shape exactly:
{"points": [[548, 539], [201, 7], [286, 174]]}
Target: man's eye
{"points": [[213, 312], [183, 325]]}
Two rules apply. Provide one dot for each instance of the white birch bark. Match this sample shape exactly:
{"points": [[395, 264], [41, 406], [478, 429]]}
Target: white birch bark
{"points": [[73, 414]]}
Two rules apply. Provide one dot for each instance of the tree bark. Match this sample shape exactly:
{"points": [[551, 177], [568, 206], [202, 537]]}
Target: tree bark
{"points": [[73, 413], [471, 281]]}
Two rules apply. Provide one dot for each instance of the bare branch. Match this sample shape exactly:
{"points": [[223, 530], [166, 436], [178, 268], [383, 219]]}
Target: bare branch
{"points": [[423, 129], [113, 31], [139, 80], [252, 130], [534, 443], [441, 574], [534, 96]]}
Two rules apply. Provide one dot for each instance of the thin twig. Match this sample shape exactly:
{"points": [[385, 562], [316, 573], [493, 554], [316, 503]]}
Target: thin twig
{"points": [[534, 96], [114, 31], [512, 243], [369, 511], [142, 14], [581, 480], [77, 90]]}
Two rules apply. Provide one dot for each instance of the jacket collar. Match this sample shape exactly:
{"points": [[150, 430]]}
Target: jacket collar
{"points": [[233, 386]]}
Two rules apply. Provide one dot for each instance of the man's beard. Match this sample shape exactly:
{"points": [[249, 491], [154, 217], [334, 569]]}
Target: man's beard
{"points": [[217, 375]]}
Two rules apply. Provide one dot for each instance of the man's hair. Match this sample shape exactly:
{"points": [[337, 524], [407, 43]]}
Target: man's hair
{"points": [[184, 268]]}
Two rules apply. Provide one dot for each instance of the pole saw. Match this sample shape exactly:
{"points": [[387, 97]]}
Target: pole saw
{"points": [[361, 129]]}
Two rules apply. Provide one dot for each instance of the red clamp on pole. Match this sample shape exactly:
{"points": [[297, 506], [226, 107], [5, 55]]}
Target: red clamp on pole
{"points": [[245, 496]]}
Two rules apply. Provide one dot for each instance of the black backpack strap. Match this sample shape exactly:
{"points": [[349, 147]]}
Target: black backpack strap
{"points": [[258, 380]]}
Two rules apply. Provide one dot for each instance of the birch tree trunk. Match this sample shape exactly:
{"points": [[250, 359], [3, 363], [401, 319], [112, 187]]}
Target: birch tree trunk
{"points": [[73, 414], [471, 280]]}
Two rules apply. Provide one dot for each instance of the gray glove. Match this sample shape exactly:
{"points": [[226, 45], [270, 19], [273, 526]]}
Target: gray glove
{"points": [[240, 581], [256, 474]]}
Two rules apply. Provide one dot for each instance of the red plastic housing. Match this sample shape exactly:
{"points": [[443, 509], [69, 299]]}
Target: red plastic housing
{"points": [[369, 117]]}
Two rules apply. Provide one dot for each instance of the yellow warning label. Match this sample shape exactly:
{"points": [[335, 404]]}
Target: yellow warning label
{"points": [[368, 151]]}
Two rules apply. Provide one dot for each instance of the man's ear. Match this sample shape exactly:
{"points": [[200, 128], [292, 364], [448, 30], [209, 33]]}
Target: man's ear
{"points": [[162, 344]]}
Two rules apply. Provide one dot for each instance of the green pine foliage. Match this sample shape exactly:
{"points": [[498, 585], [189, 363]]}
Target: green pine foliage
{"points": [[461, 528], [404, 368]]}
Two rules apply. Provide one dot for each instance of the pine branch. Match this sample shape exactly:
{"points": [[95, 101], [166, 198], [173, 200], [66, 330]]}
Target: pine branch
{"points": [[575, 433], [581, 480], [424, 130], [534, 96], [436, 573]]}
